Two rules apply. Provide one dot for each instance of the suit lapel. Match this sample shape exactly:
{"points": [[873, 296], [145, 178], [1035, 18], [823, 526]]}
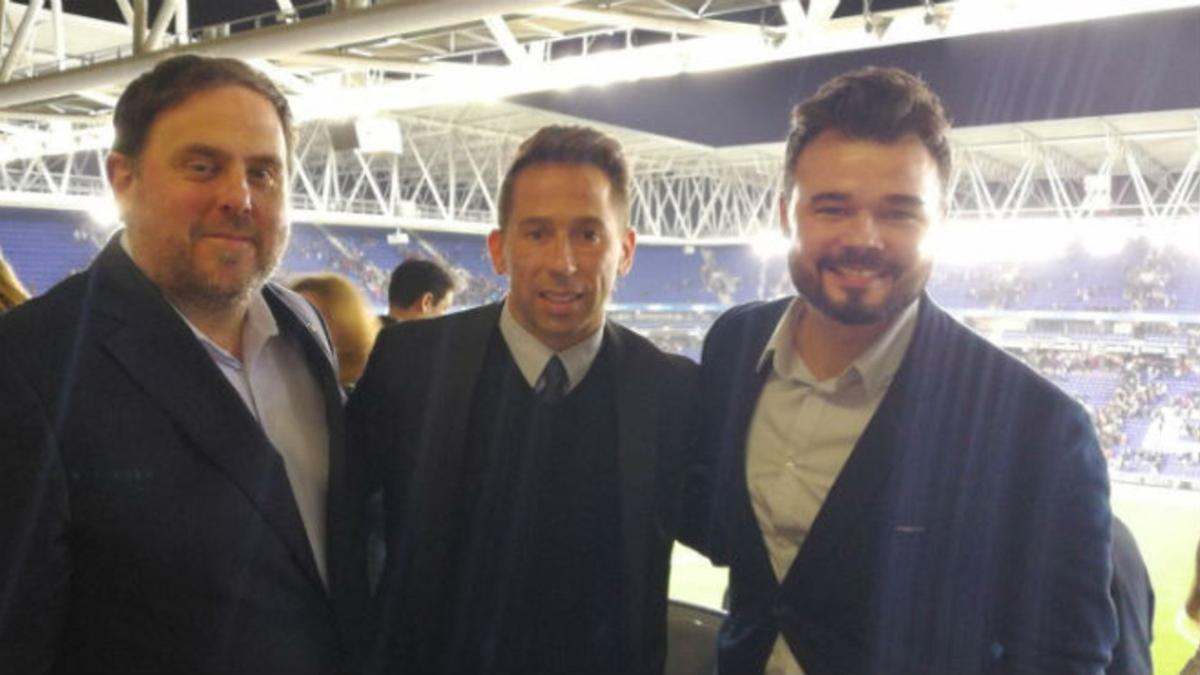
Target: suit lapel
{"points": [[637, 403], [436, 474], [158, 351], [342, 520]]}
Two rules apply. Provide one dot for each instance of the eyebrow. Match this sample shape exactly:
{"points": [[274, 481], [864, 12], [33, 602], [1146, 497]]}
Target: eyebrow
{"points": [[894, 199], [212, 152]]}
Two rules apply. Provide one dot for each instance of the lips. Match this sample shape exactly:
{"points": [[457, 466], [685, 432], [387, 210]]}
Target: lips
{"points": [[560, 301]]}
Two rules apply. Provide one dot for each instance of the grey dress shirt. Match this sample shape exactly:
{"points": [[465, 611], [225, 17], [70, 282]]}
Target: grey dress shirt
{"points": [[801, 435]]}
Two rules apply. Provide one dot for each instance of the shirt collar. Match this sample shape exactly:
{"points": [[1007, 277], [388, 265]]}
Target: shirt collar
{"points": [[531, 355], [875, 367]]}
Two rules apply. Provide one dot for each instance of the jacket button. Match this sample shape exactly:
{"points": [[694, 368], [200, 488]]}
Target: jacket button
{"points": [[996, 651]]}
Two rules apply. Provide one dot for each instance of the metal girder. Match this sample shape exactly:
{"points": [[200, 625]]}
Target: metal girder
{"points": [[506, 40], [166, 12], [688, 26], [20, 39], [360, 25], [355, 63], [449, 174]]}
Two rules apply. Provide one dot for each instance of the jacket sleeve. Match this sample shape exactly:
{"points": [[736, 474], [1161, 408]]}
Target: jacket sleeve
{"points": [[35, 564], [1072, 625]]}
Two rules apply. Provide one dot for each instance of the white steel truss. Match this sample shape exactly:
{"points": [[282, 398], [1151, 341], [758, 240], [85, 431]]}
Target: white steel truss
{"points": [[446, 173], [417, 53]]}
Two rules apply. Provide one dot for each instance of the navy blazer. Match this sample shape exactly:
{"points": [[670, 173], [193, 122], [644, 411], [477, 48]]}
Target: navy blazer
{"points": [[147, 524], [967, 533], [409, 413]]}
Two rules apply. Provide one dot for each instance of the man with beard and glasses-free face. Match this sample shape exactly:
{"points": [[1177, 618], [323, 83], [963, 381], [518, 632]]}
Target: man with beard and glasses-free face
{"points": [[530, 450], [176, 497], [892, 493]]}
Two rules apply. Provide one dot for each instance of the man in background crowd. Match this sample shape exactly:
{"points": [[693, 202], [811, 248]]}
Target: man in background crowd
{"points": [[174, 495], [893, 494], [530, 449], [419, 289]]}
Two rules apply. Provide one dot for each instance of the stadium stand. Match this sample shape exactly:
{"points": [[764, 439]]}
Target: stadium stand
{"points": [[1120, 333]]}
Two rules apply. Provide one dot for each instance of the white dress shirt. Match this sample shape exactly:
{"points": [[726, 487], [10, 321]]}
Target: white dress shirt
{"points": [[801, 435], [531, 355]]}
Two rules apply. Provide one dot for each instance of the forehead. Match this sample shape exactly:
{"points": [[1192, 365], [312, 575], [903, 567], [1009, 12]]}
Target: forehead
{"points": [[231, 116], [836, 161], [558, 185]]}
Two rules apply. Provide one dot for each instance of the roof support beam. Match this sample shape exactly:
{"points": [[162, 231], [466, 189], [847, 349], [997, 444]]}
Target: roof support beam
{"points": [[698, 27], [141, 11], [506, 40], [363, 25], [355, 62], [60, 36], [20, 39], [126, 11], [166, 12]]}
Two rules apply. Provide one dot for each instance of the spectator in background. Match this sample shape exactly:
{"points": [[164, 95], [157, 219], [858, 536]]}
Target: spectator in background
{"points": [[1192, 607], [352, 327], [1133, 596], [419, 289], [12, 292]]}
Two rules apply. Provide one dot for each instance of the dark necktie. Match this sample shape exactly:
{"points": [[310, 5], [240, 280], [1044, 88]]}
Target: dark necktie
{"points": [[552, 385]]}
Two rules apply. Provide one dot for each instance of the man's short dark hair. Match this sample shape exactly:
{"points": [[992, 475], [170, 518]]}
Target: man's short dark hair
{"points": [[413, 278], [570, 145], [172, 81], [878, 104]]}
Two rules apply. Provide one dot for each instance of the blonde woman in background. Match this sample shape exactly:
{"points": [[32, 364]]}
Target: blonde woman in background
{"points": [[1192, 607], [352, 326], [12, 293]]}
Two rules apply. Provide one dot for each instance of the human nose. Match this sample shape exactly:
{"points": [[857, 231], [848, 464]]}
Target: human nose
{"points": [[863, 230], [562, 255], [235, 192]]}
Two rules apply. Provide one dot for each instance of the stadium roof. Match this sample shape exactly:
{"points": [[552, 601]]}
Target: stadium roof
{"points": [[688, 85]]}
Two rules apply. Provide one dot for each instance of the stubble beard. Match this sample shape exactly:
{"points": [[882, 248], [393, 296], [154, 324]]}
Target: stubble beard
{"points": [[191, 286], [854, 311]]}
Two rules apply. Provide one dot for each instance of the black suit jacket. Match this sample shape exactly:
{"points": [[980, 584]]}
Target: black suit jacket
{"points": [[146, 523], [410, 412], [968, 532]]}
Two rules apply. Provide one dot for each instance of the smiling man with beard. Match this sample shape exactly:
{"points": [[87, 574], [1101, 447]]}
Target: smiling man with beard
{"points": [[530, 451], [892, 493], [174, 495]]}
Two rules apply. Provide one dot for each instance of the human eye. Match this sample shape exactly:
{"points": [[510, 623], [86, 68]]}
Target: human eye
{"points": [[200, 167], [902, 217], [831, 210], [590, 234], [264, 176]]}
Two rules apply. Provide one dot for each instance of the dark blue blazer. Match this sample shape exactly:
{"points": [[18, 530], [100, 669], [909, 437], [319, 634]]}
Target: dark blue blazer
{"points": [[968, 532], [147, 524]]}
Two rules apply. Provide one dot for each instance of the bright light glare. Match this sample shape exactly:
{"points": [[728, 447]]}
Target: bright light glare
{"points": [[1104, 239], [769, 244], [104, 214], [979, 242]]}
